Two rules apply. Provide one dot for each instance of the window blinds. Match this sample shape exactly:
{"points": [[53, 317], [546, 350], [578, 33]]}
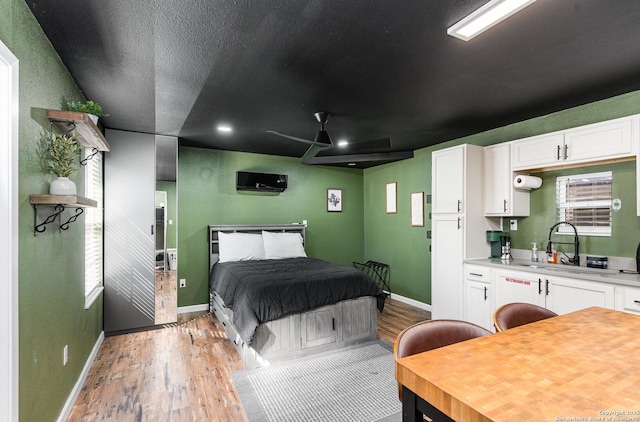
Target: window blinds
{"points": [[93, 229], [585, 201]]}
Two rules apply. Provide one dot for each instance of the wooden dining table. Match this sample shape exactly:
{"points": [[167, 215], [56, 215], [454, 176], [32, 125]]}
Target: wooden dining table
{"points": [[581, 366]]}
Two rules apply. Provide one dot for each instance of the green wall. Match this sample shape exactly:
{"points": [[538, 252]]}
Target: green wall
{"points": [[390, 239], [51, 265], [207, 195]]}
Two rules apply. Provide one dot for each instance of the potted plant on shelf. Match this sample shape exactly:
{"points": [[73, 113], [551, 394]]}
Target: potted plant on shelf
{"points": [[93, 109], [62, 151]]}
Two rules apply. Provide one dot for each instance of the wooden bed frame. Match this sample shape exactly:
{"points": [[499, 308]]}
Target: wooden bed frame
{"points": [[298, 335]]}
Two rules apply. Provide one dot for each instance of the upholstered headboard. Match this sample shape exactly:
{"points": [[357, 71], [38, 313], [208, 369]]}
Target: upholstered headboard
{"points": [[248, 228]]}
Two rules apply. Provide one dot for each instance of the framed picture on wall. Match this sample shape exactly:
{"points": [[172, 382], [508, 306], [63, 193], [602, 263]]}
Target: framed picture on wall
{"points": [[334, 200], [417, 209], [392, 202]]}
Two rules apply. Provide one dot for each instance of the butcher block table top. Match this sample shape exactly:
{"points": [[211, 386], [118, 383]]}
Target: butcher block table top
{"points": [[581, 366]]}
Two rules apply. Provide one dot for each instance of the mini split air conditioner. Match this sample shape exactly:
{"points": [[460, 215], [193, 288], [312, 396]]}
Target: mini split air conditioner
{"points": [[265, 182]]}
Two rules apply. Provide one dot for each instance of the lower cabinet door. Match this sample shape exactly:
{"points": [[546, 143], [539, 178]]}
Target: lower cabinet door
{"points": [[478, 304], [318, 327], [568, 295]]}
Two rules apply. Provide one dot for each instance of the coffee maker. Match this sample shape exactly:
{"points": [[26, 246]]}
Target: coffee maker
{"points": [[494, 237], [505, 247]]}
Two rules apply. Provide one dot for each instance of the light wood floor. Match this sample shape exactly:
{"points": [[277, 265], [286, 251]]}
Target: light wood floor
{"points": [[183, 373], [166, 297]]}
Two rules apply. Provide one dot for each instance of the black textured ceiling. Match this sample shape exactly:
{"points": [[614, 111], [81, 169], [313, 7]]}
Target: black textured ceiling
{"points": [[383, 68]]}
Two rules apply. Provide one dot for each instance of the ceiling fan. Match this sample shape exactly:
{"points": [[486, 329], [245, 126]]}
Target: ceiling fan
{"points": [[322, 142]]}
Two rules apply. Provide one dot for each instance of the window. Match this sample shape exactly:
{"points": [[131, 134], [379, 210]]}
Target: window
{"points": [[93, 229], [584, 200]]}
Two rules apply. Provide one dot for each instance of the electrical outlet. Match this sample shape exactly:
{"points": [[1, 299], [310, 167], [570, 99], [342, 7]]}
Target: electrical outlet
{"points": [[183, 282], [513, 225], [65, 355]]}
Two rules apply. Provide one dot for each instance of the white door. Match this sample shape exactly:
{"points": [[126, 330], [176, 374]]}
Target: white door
{"points": [[513, 286], [568, 295], [446, 267], [8, 235], [447, 178]]}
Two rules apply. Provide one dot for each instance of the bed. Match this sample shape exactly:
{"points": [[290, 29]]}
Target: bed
{"points": [[275, 303]]}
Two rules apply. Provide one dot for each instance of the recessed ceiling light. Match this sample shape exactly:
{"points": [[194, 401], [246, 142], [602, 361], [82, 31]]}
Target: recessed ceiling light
{"points": [[342, 143], [224, 128], [485, 17], [351, 164]]}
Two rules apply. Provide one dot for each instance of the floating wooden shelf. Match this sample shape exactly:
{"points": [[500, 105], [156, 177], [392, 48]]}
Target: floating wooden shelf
{"points": [[87, 133], [59, 204], [66, 200]]}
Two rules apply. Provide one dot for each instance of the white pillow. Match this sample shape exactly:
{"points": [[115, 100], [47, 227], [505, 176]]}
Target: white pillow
{"points": [[240, 247], [283, 245]]}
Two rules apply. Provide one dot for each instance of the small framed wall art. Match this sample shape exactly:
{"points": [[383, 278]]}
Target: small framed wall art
{"points": [[417, 209], [392, 201], [334, 200]]}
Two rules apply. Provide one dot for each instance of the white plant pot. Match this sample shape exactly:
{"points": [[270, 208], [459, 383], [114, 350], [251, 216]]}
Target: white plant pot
{"points": [[62, 186]]}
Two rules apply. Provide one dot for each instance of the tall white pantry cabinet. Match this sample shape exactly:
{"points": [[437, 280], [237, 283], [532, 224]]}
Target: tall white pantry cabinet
{"points": [[458, 225]]}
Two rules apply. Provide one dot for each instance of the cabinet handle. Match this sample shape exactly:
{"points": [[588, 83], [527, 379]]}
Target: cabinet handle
{"points": [[152, 229], [459, 205], [333, 323], [459, 226], [547, 287], [558, 152], [539, 286], [485, 293], [476, 274], [637, 301], [566, 151], [505, 205]]}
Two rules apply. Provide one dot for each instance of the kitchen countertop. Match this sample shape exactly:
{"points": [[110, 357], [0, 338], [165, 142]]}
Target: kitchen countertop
{"points": [[612, 276]]}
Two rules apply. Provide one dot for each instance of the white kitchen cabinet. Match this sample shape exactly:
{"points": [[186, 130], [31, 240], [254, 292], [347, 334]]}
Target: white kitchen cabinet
{"points": [[566, 295], [501, 197], [447, 168], [627, 299], [447, 255], [611, 139], [558, 294], [518, 286], [478, 296], [458, 224]]}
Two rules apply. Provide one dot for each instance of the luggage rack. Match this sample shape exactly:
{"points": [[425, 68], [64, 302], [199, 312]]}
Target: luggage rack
{"points": [[378, 271]]}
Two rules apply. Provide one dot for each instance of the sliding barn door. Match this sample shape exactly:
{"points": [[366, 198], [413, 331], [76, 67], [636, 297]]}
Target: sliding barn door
{"points": [[129, 253]]}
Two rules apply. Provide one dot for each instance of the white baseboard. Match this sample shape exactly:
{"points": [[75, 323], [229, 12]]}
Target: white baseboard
{"points": [[66, 410], [411, 302], [193, 308]]}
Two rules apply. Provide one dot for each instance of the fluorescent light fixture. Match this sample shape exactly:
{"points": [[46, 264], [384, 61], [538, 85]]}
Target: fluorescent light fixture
{"points": [[342, 143], [224, 128], [484, 18]]}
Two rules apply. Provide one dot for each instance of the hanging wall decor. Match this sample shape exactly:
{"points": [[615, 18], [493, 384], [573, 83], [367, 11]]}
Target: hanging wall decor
{"points": [[334, 200], [392, 207], [417, 209]]}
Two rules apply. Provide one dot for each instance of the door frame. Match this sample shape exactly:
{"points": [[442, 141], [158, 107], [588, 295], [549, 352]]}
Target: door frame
{"points": [[9, 112]]}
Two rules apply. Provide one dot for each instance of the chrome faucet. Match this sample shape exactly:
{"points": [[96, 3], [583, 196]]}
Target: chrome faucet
{"points": [[576, 243]]}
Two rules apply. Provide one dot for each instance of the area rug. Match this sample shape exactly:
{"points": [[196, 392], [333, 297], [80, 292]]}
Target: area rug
{"points": [[355, 383]]}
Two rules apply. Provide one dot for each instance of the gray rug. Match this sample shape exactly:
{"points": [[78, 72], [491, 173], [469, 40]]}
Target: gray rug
{"points": [[355, 383]]}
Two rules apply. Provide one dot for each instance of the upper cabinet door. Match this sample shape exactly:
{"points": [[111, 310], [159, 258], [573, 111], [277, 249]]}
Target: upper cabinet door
{"points": [[497, 180], [447, 176], [599, 141], [537, 151]]}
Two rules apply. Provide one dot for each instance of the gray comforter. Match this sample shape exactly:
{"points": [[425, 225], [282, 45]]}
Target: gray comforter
{"points": [[261, 291]]}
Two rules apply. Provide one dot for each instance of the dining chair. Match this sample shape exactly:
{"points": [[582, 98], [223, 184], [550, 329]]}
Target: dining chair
{"points": [[433, 334], [516, 314]]}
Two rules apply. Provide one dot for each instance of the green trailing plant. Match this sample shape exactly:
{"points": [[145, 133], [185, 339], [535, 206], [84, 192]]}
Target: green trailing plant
{"points": [[88, 107], [62, 152]]}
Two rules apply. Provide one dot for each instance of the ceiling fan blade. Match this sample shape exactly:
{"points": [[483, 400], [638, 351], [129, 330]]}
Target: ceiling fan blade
{"points": [[312, 152], [295, 138], [373, 144]]}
